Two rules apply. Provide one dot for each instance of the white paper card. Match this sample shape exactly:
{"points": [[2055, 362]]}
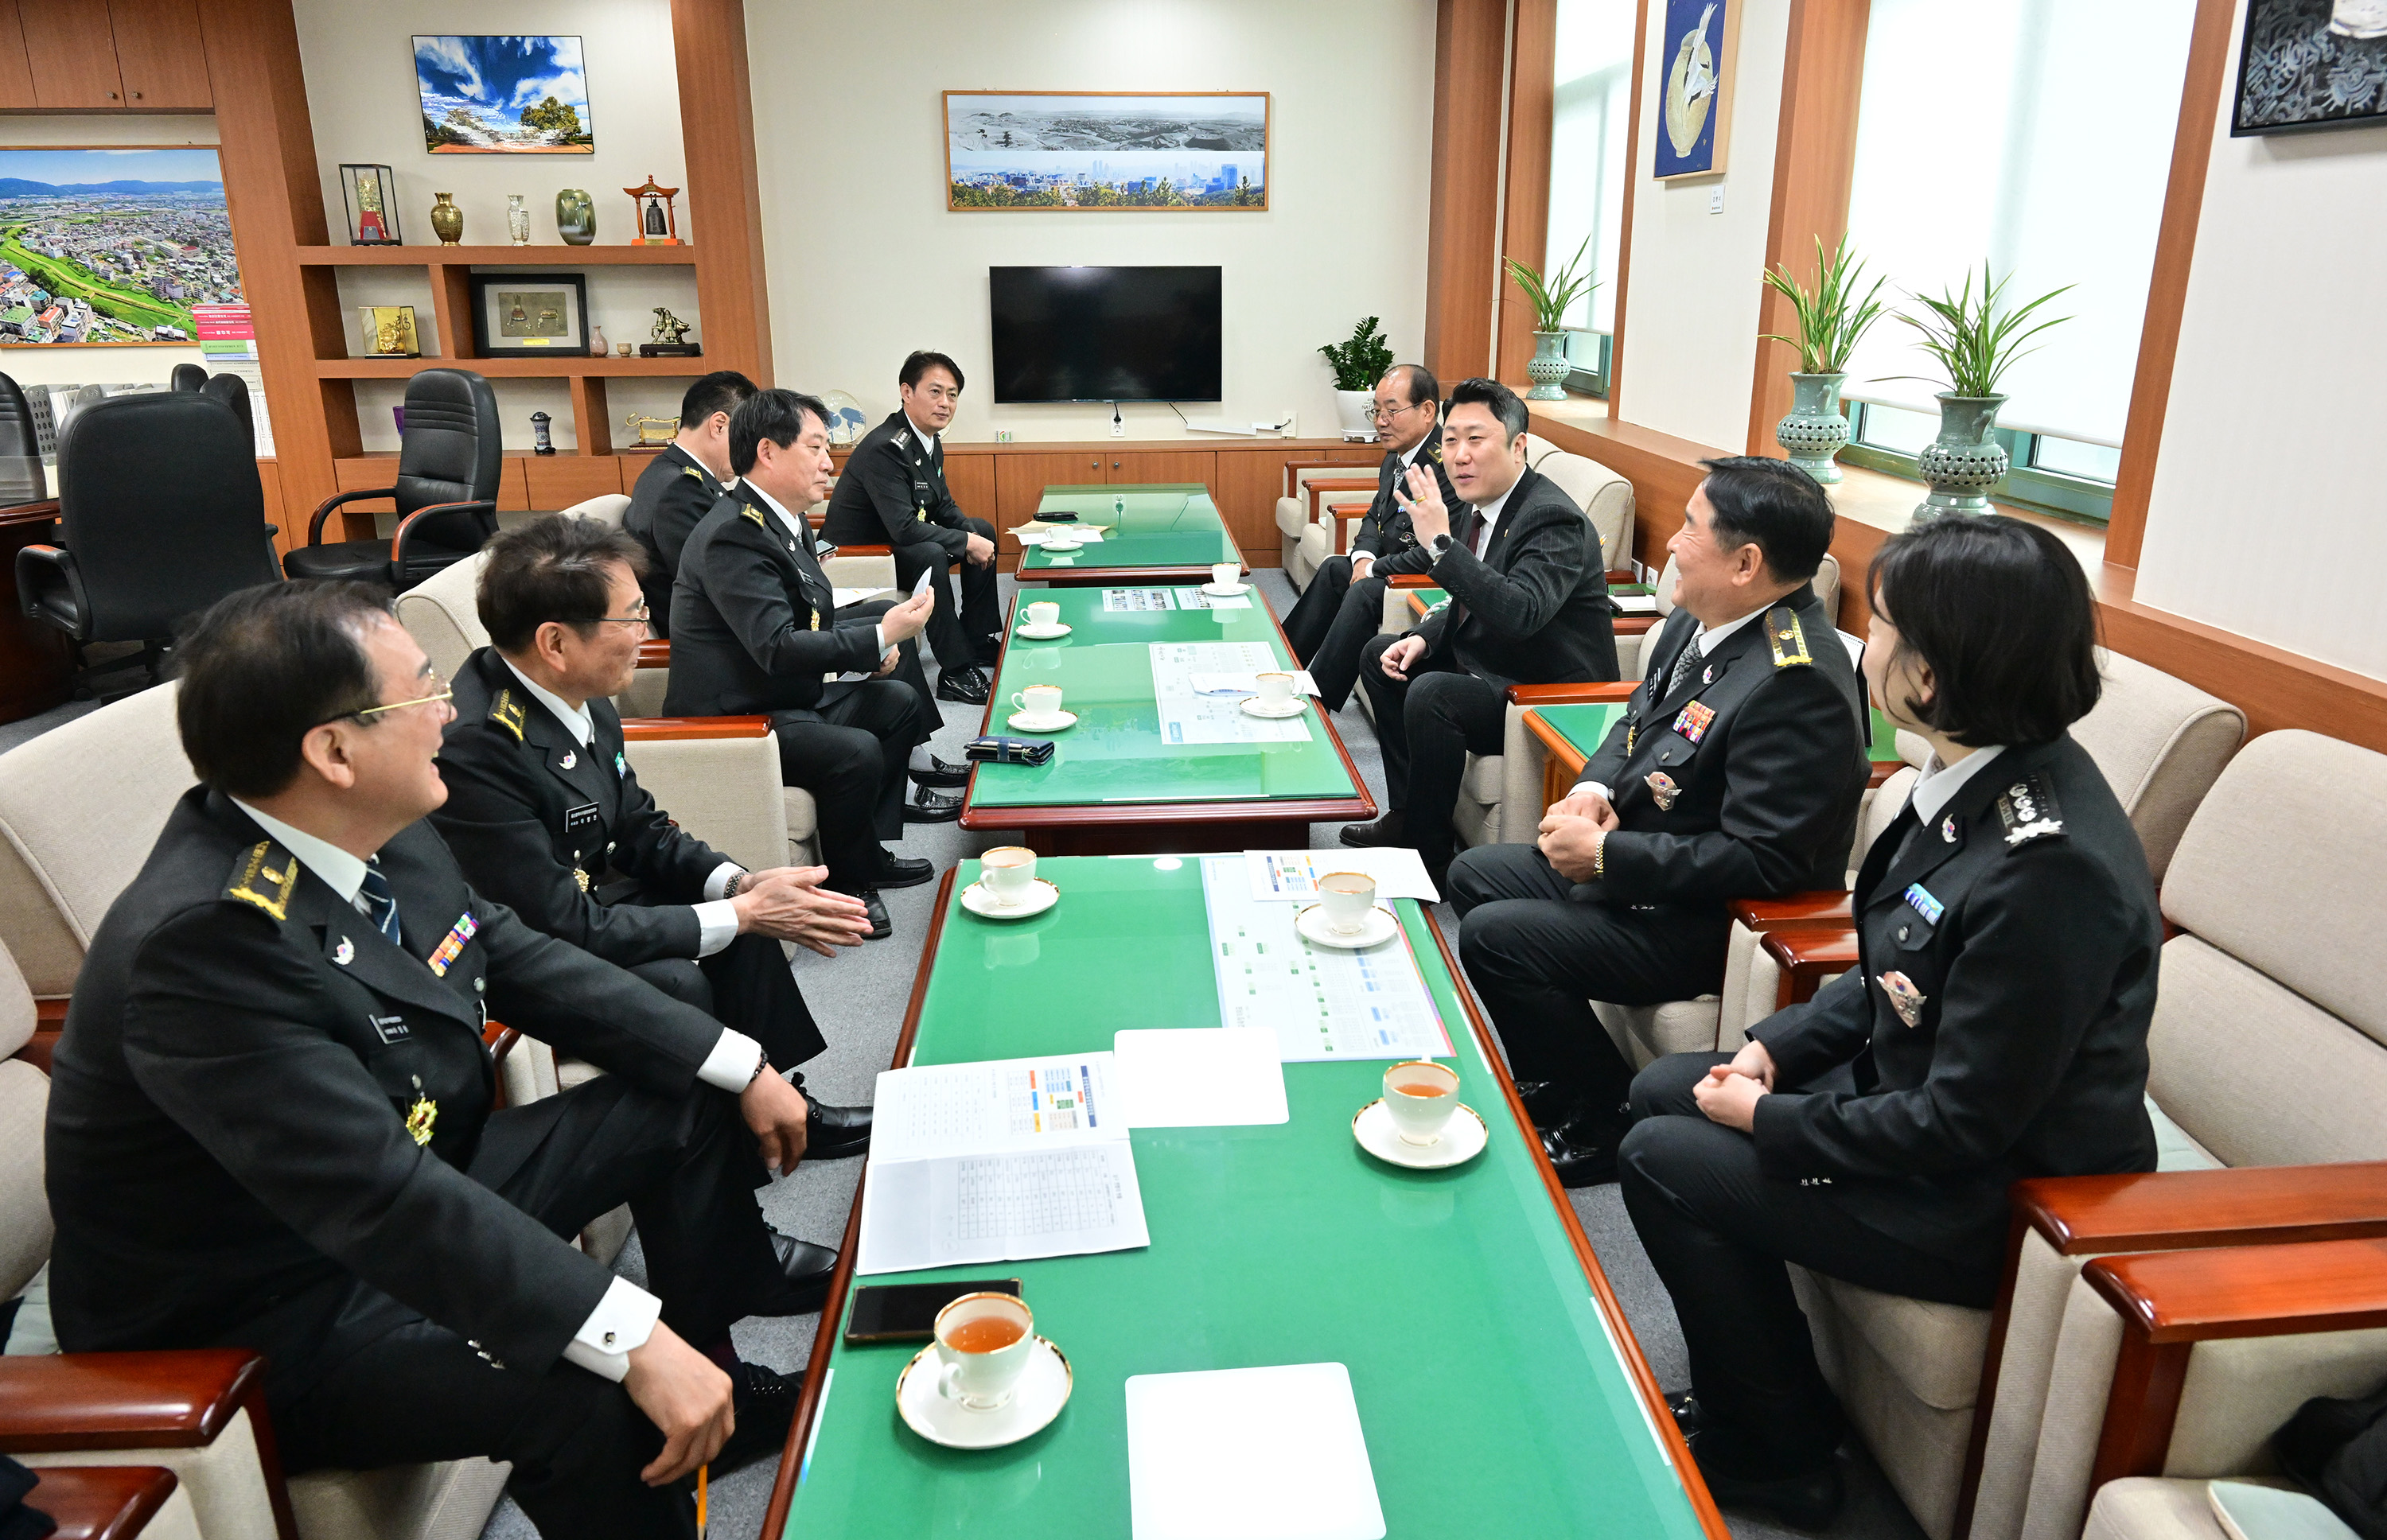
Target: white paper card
{"points": [[1195, 599], [1398, 870], [854, 596], [1249, 1454], [1320, 1002], [1138, 601], [1200, 1077], [1636, 604], [1085, 535], [992, 1106], [1247, 683]]}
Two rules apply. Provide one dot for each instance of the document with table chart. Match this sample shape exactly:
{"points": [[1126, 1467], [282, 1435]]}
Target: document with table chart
{"points": [[1001, 1160], [1189, 716], [1138, 601], [1321, 1001]]}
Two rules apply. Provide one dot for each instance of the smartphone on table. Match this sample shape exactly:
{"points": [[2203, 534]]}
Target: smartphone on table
{"points": [[907, 1312]]}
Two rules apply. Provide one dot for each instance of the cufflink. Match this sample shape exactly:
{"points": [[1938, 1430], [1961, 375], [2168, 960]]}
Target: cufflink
{"points": [[609, 1339]]}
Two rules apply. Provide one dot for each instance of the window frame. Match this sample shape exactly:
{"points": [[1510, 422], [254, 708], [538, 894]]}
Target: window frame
{"points": [[2075, 499]]}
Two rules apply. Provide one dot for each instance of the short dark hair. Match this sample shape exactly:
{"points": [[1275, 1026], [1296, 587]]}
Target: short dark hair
{"points": [[777, 415], [2001, 613], [262, 667], [719, 391], [553, 568], [1503, 401], [1423, 386], [917, 367], [1774, 506]]}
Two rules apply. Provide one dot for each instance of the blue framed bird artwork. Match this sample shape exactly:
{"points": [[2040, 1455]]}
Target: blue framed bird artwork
{"points": [[1697, 80]]}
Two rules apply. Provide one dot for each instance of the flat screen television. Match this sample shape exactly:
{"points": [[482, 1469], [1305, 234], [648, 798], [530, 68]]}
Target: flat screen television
{"points": [[1106, 334]]}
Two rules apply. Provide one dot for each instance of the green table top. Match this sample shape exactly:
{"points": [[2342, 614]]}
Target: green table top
{"points": [[1586, 727], [1114, 753], [1885, 738], [1174, 525], [1492, 1393]]}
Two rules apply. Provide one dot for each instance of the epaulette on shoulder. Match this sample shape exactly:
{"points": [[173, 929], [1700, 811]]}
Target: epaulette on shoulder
{"points": [[1788, 638], [506, 713], [265, 876], [691, 471], [902, 435], [1434, 448], [747, 510], [2029, 812]]}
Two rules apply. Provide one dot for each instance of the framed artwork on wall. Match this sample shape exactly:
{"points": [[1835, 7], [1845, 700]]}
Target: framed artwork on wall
{"points": [[1183, 151], [2311, 63], [503, 95], [112, 247], [1695, 86], [529, 315]]}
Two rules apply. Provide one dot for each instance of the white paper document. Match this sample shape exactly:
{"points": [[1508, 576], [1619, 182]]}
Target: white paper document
{"points": [[1241, 685], [1636, 604], [1189, 716], [1398, 870], [1085, 535], [853, 596], [1249, 1454], [1138, 600], [1200, 1077], [1195, 599], [996, 1161], [1321, 1001]]}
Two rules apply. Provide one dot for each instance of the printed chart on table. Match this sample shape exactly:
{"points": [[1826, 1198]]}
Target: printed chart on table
{"points": [[1323, 1002], [1189, 716], [1138, 601]]}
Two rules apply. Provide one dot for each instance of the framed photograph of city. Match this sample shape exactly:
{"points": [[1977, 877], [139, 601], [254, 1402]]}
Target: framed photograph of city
{"points": [[529, 315], [1182, 151], [111, 246], [2311, 63], [503, 95]]}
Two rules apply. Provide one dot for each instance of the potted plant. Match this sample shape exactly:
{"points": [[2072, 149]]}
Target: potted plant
{"points": [[1552, 297], [1975, 343], [1359, 364], [1831, 317]]}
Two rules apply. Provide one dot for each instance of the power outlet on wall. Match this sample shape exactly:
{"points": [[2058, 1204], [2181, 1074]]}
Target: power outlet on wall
{"points": [[1715, 199]]}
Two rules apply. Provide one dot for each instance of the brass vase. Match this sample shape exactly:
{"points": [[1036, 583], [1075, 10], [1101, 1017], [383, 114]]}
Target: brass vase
{"points": [[447, 220]]}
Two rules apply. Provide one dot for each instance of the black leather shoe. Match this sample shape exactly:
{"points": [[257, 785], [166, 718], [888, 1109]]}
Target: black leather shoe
{"points": [[968, 685], [940, 771], [901, 871], [765, 1403], [1583, 1150], [1810, 1500], [804, 1271], [929, 805], [1390, 829], [1548, 1102], [875, 910], [1685, 1408], [832, 1134]]}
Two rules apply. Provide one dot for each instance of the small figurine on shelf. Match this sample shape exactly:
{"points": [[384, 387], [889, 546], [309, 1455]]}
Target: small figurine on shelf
{"points": [[670, 335], [517, 219], [540, 443], [371, 220]]}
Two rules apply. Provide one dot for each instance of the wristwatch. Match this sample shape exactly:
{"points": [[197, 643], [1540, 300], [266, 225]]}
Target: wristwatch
{"points": [[1442, 544]]}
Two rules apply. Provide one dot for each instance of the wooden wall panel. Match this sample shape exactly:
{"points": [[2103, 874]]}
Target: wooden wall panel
{"points": [[1159, 467], [1525, 218], [16, 65], [1462, 249], [1246, 490], [1019, 483], [161, 55], [725, 199], [970, 478], [72, 52], [552, 483]]}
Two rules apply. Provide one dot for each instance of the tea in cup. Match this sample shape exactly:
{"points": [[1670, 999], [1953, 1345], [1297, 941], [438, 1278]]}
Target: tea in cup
{"points": [[983, 1341], [1038, 702], [1420, 1096], [1348, 898], [1227, 575], [1045, 615], [1008, 871], [1276, 690]]}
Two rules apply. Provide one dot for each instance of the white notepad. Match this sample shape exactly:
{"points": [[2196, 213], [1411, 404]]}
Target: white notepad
{"points": [[1249, 1454], [1199, 1077]]}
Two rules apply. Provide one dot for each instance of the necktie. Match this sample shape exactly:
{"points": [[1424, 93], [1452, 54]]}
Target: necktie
{"points": [[1685, 661], [381, 904], [1465, 536]]}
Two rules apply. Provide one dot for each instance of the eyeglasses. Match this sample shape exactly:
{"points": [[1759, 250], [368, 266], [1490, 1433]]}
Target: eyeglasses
{"points": [[635, 618], [447, 692], [1383, 414]]}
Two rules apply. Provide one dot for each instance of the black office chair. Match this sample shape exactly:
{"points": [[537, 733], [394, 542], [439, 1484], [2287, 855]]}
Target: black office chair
{"points": [[187, 376], [233, 391], [22, 480], [144, 551], [447, 464]]}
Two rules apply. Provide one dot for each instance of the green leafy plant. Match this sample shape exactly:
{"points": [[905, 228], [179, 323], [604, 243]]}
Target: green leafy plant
{"points": [[1554, 296], [1976, 342], [1832, 316], [1361, 362]]}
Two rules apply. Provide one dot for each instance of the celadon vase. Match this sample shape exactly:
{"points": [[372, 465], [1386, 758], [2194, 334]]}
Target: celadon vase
{"points": [[1966, 460], [1549, 367], [1814, 431], [575, 217]]}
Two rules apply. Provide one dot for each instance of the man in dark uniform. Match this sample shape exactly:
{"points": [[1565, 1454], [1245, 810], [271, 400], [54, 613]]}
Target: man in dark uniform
{"points": [[1995, 1027], [679, 488], [1345, 603], [546, 814], [1735, 772], [755, 626], [1529, 602], [893, 493], [270, 1120]]}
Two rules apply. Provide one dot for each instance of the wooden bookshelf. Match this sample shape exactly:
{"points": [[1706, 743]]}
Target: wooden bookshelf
{"points": [[494, 256]]}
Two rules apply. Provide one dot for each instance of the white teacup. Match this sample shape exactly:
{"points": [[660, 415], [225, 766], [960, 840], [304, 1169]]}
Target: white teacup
{"points": [[1227, 575], [1008, 871], [1045, 615], [983, 1341], [1348, 898], [1038, 702], [1276, 690], [1059, 541], [1420, 1096]]}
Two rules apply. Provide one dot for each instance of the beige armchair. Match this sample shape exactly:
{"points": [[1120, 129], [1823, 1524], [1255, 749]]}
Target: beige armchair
{"points": [[606, 508]]}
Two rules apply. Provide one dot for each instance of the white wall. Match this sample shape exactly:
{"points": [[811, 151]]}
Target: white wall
{"points": [[2269, 515], [867, 264], [1690, 312]]}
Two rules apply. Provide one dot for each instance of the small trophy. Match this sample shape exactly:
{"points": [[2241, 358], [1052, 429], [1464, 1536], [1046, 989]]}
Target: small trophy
{"points": [[670, 335], [540, 443], [658, 215], [388, 331]]}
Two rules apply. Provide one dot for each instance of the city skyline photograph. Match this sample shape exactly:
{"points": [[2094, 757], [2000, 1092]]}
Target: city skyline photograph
{"points": [[110, 246], [1195, 150]]}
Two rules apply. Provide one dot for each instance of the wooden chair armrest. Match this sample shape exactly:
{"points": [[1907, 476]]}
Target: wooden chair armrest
{"points": [[1797, 911], [39, 1049], [51, 1014], [654, 652], [1807, 958], [866, 550], [1634, 626], [323, 510], [657, 729], [1618, 575], [1588, 693], [2174, 1210], [178, 1400], [1411, 580], [398, 537], [101, 1502]]}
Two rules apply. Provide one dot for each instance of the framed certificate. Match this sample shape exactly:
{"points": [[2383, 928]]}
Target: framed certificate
{"points": [[529, 315]]}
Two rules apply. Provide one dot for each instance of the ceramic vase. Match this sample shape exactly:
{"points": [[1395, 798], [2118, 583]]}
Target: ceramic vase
{"points": [[1814, 431], [1549, 367], [1355, 410], [1966, 460], [517, 219], [597, 344], [447, 220], [575, 217]]}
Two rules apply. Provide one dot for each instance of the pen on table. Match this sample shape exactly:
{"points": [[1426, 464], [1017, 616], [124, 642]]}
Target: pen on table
{"points": [[700, 1472]]}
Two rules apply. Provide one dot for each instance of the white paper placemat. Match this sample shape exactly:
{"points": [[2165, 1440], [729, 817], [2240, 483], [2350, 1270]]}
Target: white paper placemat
{"points": [[1249, 1454]]}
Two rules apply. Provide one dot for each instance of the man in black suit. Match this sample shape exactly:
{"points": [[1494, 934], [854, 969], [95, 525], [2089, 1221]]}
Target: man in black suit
{"points": [[1529, 602], [893, 493], [755, 627], [681, 485], [546, 814], [271, 1120], [1343, 605], [1734, 773]]}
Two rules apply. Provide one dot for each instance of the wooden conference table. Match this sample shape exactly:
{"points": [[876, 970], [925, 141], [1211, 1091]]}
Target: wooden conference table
{"points": [[1498, 1387], [1154, 534]]}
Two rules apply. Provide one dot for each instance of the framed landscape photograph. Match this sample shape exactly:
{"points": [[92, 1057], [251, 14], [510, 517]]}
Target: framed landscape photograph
{"points": [[503, 95], [1185, 150], [2311, 63], [1695, 114], [529, 315], [111, 246]]}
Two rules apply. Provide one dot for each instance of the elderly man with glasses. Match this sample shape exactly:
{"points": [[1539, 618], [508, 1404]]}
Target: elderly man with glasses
{"points": [[1345, 603]]}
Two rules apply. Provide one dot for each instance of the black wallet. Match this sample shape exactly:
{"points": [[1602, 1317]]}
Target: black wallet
{"points": [[1002, 750]]}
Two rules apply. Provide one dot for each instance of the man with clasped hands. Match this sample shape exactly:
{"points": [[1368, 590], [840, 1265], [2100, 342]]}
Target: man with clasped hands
{"points": [[272, 1125]]}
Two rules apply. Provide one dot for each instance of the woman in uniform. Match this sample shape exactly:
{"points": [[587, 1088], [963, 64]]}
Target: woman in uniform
{"points": [[1995, 1028]]}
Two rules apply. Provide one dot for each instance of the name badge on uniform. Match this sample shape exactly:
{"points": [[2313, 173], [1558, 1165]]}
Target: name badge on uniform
{"points": [[1693, 722], [453, 946], [1924, 903], [1904, 998], [1662, 790], [583, 817], [389, 1029], [621, 764]]}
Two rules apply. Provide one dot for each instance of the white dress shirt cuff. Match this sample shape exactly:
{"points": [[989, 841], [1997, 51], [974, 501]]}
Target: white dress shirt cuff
{"points": [[716, 924], [624, 1319], [1582, 787], [879, 634], [730, 1066], [718, 885], [1361, 562]]}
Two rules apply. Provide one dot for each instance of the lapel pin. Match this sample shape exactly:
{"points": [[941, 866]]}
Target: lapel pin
{"points": [[345, 953], [621, 764], [1662, 790], [570, 759], [1904, 998], [1948, 828], [1707, 674]]}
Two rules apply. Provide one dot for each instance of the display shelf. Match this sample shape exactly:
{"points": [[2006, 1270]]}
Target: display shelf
{"points": [[495, 256], [563, 366]]}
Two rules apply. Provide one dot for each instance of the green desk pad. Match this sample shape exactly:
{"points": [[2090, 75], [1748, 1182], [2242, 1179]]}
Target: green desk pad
{"points": [[1143, 526], [1885, 737], [1114, 753], [1585, 725], [1492, 1400]]}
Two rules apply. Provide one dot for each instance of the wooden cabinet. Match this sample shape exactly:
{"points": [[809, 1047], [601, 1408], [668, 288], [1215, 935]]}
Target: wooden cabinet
{"points": [[1151, 467], [159, 55], [15, 67], [143, 55], [70, 49]]}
